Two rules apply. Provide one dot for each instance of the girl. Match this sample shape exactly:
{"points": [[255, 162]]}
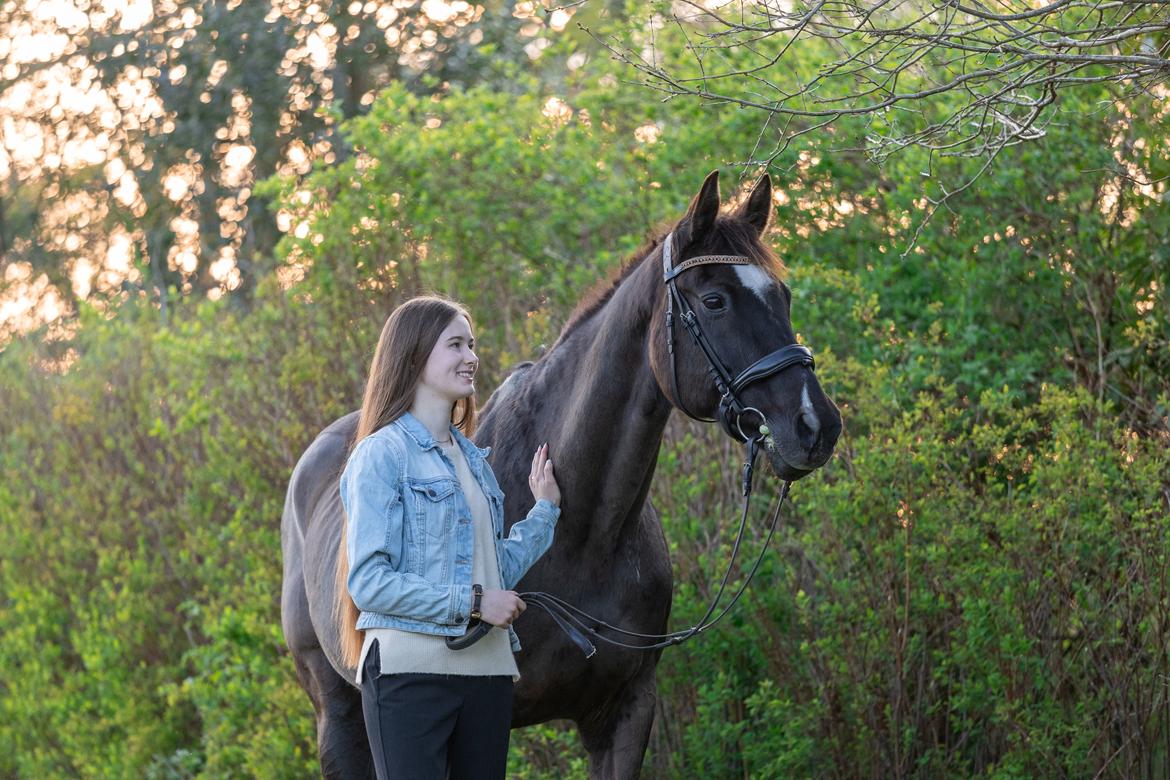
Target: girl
{"points": [[423, 553]]}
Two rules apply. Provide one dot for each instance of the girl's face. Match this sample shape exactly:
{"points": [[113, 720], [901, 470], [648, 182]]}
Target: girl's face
{"points": [[450, 370]]}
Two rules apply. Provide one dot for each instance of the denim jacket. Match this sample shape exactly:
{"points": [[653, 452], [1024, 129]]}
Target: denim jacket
{"points": [[409, 535]]}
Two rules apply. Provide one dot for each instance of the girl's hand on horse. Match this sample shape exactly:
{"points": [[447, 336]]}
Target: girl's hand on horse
{"points": [[541, 480], [501, 607]]}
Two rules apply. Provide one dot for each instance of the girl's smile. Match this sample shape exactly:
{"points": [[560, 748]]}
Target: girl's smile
{"points": [[450, 371]]}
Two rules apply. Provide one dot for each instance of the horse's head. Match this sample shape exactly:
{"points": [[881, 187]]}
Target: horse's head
{"points": [[732, 298]]}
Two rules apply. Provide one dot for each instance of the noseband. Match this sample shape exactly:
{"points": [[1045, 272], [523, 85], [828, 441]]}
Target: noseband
{"points": [[731, 409]]}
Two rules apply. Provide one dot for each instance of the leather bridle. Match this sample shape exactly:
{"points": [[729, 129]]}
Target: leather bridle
{"points": [[579, 626], [731, 409]]}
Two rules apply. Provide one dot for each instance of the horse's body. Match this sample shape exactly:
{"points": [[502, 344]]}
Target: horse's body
{"points": [[600, 399]]}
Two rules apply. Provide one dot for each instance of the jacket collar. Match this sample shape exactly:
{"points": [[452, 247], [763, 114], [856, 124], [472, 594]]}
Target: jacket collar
{"points": [[422, 436]]}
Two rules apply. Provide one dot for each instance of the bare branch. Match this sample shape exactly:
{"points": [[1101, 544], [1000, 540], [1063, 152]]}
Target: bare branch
{"points": [[961, 78]]}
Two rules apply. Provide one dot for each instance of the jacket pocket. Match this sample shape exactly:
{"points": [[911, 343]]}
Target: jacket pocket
{"points": [[435, 505]]}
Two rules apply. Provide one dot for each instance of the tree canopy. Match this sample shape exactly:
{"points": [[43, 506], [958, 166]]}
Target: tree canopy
{"points": [[960, 79]]}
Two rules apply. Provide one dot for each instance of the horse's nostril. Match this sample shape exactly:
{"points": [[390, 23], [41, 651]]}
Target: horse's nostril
{"points": [[808, 430]]}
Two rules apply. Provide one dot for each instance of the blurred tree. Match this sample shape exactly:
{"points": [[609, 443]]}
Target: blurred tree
{"points": [[133, 131]]}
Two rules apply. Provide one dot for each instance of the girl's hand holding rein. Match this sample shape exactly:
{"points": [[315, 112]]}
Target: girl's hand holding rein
{"points": [[541, 480], [501, 607]]}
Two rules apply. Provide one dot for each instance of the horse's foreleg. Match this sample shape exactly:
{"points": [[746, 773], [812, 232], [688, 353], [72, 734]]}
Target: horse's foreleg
{"points": [[342, 746], [616, 740]]}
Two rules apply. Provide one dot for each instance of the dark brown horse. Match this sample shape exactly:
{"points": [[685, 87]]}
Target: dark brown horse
{"points": [[600, 397]]}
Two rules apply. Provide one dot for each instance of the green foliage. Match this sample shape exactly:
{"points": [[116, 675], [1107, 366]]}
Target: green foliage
{"points": [[512, 202], [546, 752], [969, 588], [141, 573]]}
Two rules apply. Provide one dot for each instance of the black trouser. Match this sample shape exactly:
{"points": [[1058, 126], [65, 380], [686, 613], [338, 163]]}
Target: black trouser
{"points": [[436, 726]]}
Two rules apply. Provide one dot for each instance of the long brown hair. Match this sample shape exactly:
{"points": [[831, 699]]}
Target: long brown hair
{"points": [[409, 335]]}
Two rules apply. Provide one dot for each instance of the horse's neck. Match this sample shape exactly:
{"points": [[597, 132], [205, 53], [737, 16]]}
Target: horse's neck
{"points": [[608, 410]]}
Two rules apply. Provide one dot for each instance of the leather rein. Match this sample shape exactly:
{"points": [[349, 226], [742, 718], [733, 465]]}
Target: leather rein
{"points": [[579, 625]]}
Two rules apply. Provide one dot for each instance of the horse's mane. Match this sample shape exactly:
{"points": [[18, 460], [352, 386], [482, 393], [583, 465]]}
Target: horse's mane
{"points": [[736, 234], [600, 293]]}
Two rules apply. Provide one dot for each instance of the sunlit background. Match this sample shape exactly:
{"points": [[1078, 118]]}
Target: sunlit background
{"points": [[132, 133]]}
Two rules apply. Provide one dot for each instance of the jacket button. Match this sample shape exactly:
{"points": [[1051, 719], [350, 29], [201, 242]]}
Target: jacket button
{"points": [[458, 618]]}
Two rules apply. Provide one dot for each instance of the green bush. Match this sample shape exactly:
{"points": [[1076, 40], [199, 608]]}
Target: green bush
{"points": [[142, 499], [969, 591]]}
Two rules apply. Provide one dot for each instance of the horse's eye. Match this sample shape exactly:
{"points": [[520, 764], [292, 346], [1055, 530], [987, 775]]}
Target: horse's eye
{"points": [[713, 302]]}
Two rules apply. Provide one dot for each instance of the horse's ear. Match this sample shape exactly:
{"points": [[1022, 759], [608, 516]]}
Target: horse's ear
{"points": [[757, 209], [703, 210]]}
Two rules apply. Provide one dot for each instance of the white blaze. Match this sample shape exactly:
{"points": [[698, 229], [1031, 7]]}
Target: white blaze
{"points": [[756, 280], [806, 409]]}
